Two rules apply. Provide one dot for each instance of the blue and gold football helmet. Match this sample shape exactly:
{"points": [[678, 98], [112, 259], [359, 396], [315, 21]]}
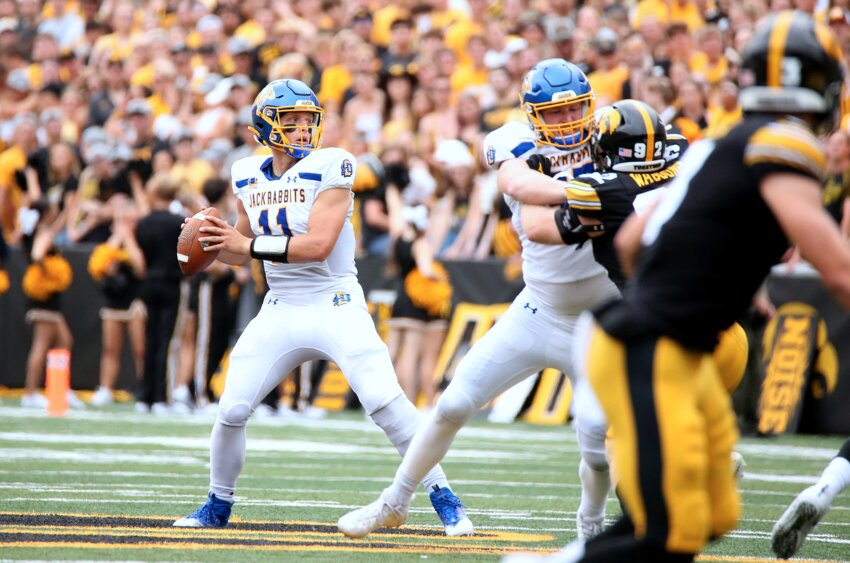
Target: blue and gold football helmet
{"points": [[554, 83], [272, 103]]}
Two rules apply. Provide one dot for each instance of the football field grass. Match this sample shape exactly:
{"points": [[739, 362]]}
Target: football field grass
{"points": [[106, 485]]}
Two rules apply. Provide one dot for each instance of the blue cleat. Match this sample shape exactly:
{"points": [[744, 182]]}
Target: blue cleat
{"points": [[213, 514], [451, 512]]}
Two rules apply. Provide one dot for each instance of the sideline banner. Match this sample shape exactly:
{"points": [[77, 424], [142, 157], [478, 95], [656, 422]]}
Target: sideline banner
{"points": [[806, 358]]}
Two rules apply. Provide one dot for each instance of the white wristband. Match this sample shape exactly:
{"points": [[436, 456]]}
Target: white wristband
{"points": [[270, 247]]}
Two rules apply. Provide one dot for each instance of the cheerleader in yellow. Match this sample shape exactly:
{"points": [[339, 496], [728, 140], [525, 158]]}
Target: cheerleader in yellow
{"points": [[420, 312], [47, 276]]}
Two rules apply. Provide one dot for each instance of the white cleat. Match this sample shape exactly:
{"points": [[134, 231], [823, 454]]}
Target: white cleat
{"points": [[588, 527], [797, 521], [378, 514], [572, 553]]}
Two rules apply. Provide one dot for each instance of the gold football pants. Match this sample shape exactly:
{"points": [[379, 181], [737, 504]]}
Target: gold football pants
{"points": [[673, 428]]}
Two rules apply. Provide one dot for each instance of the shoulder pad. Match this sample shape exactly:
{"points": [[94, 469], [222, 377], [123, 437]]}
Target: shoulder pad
{"points": [[789, 144]]}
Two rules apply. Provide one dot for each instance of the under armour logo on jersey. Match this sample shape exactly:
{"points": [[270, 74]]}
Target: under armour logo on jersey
{"points": [[533, 309], [272, 301], [291, 179], [341, 298]]}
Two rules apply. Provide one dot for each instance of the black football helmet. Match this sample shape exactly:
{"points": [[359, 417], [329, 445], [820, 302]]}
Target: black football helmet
{"points": [[793, 65], [628, 137]]}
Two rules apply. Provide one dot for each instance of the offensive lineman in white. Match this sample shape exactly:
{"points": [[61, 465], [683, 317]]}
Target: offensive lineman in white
{"points": [[294, 209], [536, 331]]}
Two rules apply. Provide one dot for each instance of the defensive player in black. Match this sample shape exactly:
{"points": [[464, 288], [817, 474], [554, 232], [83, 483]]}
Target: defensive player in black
{"points": [[729, 216]]}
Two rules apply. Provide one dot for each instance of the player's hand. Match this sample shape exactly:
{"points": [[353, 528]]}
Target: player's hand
{"points": [[540, 164], [223, 236]]}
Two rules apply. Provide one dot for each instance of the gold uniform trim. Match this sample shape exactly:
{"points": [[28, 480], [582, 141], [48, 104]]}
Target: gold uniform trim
{"points": [[583, 196], [789, 144]]}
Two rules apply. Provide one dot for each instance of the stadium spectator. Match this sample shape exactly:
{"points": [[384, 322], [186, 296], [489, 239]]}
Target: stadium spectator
{"points": [[13, 186]]}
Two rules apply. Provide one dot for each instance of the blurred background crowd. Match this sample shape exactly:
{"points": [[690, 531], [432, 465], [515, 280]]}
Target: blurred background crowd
{"points": [[110, 108]]}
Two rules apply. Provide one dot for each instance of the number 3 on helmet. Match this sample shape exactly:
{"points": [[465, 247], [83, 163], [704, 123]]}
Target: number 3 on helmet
{"points": [[276, 100], [556, 83]]}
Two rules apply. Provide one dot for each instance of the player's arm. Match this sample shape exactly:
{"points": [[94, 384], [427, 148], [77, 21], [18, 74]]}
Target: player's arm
{"points": [[528, 186], [796, 204], [327, 217], [539, 225]]}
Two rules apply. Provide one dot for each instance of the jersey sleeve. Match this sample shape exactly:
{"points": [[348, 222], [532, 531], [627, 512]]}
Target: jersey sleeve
{"points": [[784, 146], [583, 197], [243, 173], [511, 140], [338, 170], [601, 196]]}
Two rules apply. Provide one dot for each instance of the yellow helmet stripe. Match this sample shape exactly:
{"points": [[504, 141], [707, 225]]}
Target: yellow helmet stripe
{"points": [[827, 41], [776, 48], [650, 132]]}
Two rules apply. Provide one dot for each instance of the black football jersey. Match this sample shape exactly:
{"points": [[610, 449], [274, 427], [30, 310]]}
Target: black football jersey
{"points": [[610, 198], [713, 239]]}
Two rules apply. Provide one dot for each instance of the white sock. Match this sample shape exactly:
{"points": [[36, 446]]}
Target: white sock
{"points": [[427, 448], [227, 455], [835, 478], [594, 490]]}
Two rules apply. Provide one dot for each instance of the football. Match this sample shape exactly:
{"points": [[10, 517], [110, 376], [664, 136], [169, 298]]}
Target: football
{"points": [[190, 251]]}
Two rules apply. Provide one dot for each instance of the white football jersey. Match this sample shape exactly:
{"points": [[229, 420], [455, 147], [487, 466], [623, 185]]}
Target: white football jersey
{"points": [[281, 206], [544, 266]]}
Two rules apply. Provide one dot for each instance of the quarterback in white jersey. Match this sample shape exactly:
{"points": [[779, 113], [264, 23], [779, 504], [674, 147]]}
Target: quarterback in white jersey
{"points": [[537, 329], [294, 214]]}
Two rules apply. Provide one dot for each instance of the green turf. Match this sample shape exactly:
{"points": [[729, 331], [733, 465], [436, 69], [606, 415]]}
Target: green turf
{"points": [[519, 482]]}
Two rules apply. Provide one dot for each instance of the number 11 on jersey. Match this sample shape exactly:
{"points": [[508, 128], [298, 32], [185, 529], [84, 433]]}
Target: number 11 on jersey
{"points": [[282, 221]]}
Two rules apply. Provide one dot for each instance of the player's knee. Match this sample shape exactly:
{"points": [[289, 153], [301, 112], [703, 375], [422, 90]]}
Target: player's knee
{"points": [[399, 420], [455, 407], [591, 442], [233, 414]]}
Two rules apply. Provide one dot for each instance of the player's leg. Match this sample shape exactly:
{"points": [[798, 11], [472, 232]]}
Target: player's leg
{"points": [[591, 428], [261, 357], [807, 509], [502, 357], [351, 340], [648, 392], [722, 434]]}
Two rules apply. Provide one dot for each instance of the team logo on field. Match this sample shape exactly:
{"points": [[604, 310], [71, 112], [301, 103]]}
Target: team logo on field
{"points": [[341, 298], [491, 156], [347, 168]]}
